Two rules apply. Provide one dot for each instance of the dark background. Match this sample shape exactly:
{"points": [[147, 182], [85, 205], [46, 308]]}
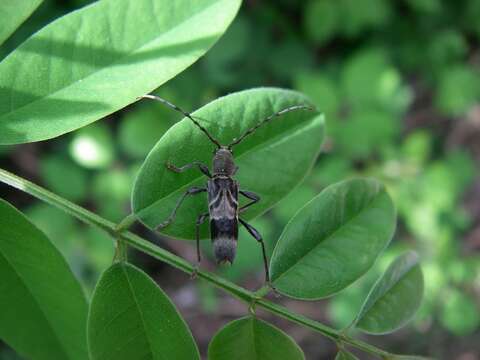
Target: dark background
{"points": [[399, 83]]}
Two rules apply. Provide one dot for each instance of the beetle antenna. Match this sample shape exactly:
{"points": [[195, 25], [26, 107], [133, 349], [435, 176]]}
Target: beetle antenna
{"points": [[267, 119], [186, 114]]}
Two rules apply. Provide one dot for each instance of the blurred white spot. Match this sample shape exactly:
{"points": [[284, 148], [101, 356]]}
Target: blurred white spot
{"points": [[85, 150]]}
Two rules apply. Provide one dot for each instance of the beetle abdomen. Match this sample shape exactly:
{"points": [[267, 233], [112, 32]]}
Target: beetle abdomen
{"points": [[223, 211], [224, 237], [224, 249]]}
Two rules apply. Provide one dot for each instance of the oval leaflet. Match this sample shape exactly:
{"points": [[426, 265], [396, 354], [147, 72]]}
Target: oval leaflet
{"points": [[271, 162], [333, 240], [130, 317], [395, 297]]}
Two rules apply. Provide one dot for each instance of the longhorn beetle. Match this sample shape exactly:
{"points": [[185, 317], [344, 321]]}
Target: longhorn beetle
{"points": [[222, 192]]}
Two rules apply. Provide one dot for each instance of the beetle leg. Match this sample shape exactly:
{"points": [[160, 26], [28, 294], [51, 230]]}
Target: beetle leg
{"points": [[249, 195], [200, 220], [202, 167], [192, 191], [259, 238]]}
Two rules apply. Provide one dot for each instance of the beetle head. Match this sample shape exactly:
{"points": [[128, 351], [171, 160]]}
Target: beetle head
{"points": [[224, 249], [223, 163]]}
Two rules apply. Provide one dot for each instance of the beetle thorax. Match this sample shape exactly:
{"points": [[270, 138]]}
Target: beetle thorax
{"points": [[223, 163]]}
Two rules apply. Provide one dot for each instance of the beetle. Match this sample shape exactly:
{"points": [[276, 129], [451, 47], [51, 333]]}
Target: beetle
{"points": [[222, 192]]}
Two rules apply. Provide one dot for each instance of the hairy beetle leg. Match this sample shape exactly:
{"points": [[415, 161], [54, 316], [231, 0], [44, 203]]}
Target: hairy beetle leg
{"points": [[252, 231], [201, 166], [249, 195], [192, 191]]}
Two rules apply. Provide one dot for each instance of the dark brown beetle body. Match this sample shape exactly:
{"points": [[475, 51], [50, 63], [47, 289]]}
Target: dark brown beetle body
{"points": [[223, 192], [223, 208]]}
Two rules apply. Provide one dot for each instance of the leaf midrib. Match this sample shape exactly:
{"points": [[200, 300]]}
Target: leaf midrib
{"points": [[327, 237], [108, 66], [254, 340], [142, 319]]}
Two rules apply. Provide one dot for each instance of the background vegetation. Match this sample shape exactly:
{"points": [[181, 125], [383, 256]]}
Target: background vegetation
{"points": [[399, 83]]}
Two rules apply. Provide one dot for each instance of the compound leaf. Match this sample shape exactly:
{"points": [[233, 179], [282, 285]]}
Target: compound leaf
{"points": [[99, 59], [43, 310], [395, 298], [271, 161], [249, 338], [132, 318], [333, 240]]}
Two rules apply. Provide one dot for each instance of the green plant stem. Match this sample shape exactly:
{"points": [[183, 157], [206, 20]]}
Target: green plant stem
{"points": [[147, 247]]}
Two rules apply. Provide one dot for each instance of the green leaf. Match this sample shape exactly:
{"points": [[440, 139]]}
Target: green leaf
{"points": [[293, 202], [345, 355], [64, 177], [99, 249], [333, 240], [303, 61], [394, 299], [220, 66], [429, 7], [99, 59], [322, 20], [111, 190], [132, 318], [140, 129], [460, 313], [365, 132], [357, 19], [446, 47], [271, 162], [249, 338], [322, 90], [43, 309], [61, 230], [369, 79], [13, 14], [458, 90]]}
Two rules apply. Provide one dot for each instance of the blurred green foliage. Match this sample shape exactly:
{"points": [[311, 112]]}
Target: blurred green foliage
{"points": [[395, 80]]}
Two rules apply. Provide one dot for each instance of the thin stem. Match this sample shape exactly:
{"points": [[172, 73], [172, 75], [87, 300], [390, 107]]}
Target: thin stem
{"points": [[147, 247]]}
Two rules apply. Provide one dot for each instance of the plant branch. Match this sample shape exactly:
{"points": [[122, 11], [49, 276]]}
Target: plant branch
{"points": [[157, 252]]}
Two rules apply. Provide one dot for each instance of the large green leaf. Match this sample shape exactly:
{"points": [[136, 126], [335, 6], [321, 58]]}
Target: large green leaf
{"points": [[99, 59], [271, 162], [13, 14], [43, 309], [132, 318], [333, 240], [394, 299], [249, 338]]}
